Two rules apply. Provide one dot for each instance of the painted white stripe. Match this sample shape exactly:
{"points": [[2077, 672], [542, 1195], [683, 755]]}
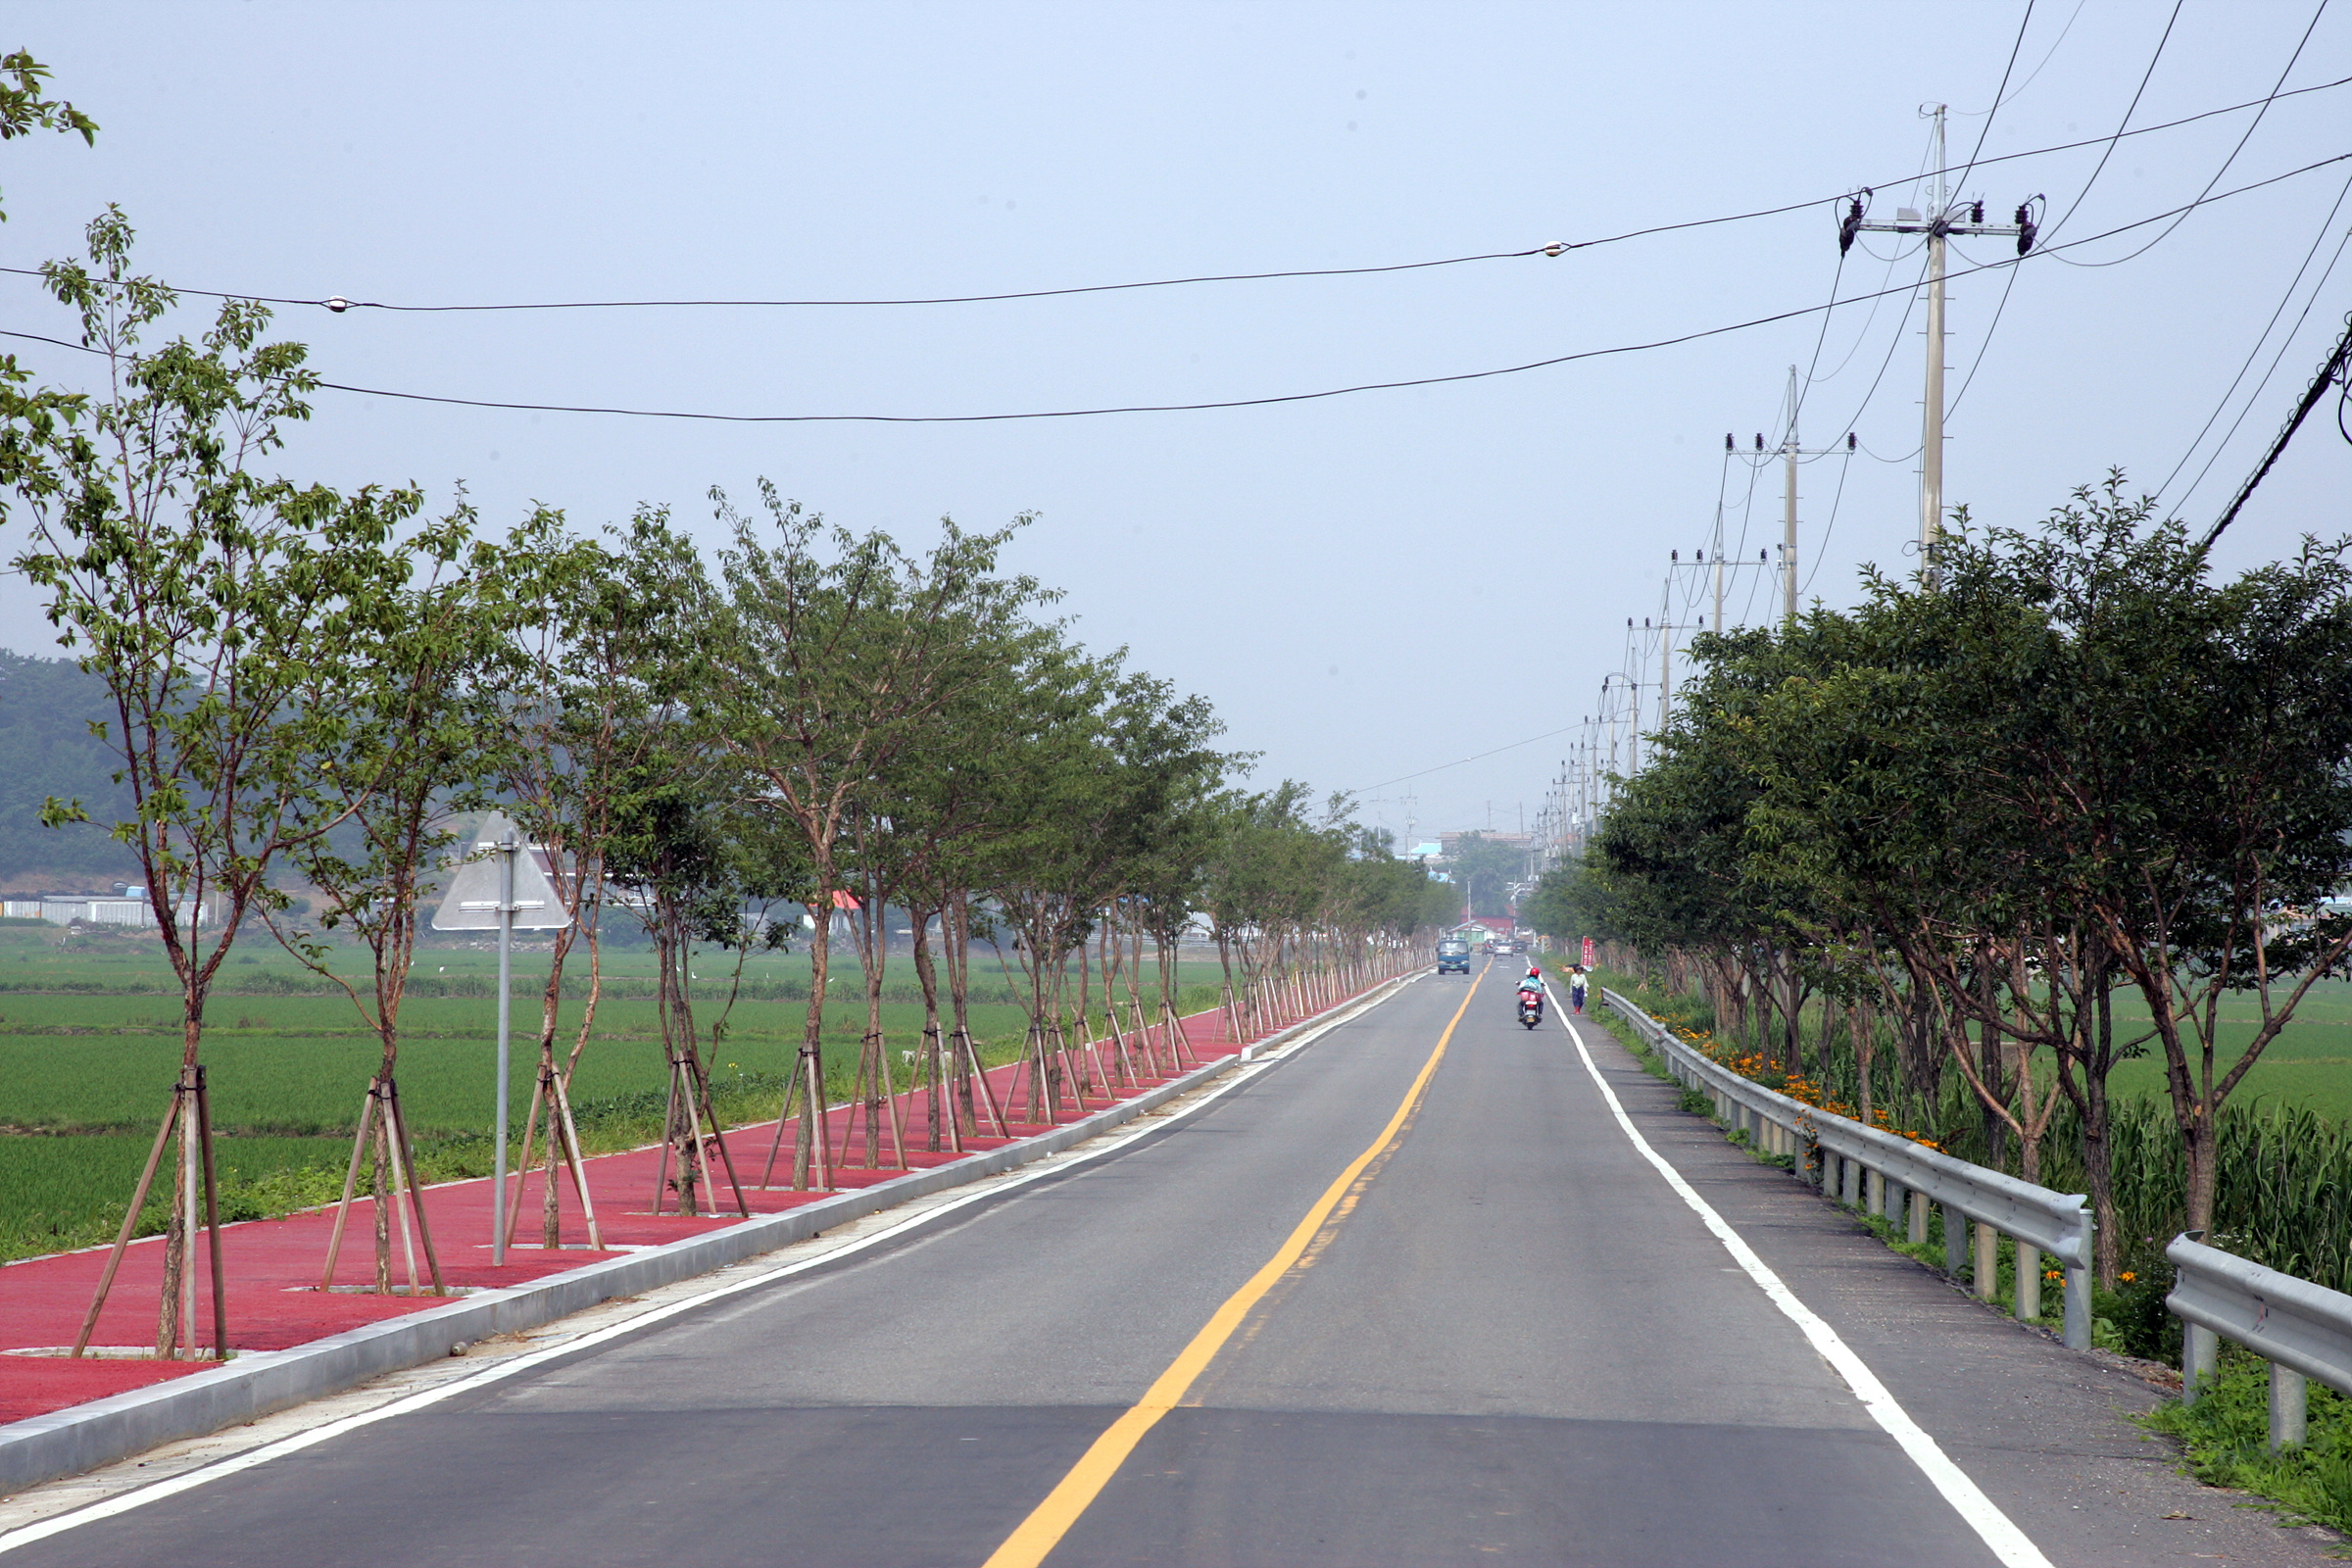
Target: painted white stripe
{"points": [[188, 1481], [1994, 1528]]}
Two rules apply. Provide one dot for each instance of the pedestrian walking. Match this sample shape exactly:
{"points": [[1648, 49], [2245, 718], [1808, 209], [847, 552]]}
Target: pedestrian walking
{"points": [[1578, 983]]}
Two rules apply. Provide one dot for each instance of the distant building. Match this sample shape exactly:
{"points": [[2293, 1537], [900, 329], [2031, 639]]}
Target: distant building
{"points": [[119, 908]]}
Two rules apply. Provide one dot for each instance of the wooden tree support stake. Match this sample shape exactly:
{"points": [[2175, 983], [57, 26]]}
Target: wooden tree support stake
{"points": [[130, 1220]]}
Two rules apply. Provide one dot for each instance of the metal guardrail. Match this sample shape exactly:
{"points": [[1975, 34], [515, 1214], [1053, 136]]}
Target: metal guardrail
{"points": [[1865, 1167], [2303, 1330]]}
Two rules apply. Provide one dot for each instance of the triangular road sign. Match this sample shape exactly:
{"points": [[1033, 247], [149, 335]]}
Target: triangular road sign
{"points": [[471, 903]]}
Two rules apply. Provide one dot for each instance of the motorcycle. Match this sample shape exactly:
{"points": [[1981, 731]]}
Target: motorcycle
{"points": [[1531, 1008]]}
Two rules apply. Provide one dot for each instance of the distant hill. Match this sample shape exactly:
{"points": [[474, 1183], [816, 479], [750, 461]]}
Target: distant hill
{"points": [[46, 748]]}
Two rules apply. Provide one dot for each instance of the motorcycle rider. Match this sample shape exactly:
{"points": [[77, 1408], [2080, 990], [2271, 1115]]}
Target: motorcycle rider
{"points": [[1530, 989]]}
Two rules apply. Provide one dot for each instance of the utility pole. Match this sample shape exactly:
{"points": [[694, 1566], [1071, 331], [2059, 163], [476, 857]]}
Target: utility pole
{"points": [[1792, 451], [1788, 547], [1788, 508], [1944, 219]]}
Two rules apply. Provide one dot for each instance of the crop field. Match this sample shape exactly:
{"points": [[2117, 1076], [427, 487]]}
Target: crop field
{"points": [[90, 1046], [2309, 1065]]}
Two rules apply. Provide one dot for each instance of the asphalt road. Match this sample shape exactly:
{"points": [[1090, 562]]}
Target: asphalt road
{"points": [[1512, 1340]]}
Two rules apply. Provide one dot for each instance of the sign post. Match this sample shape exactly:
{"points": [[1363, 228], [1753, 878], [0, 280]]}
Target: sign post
{"points": [[503, 884], [506, 1008], [1587, 953]]}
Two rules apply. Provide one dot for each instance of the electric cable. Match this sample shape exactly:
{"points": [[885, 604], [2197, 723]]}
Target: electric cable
{"points": [[2234, 151], [2285, 300], [1983, 346], [2121, 124], [1822, 550], [2009, 285], [2255, 397], [1459, 760], [2334, 366], [1926, 150], [1269, 400], [1901, 330], [341, 305], [1985, 130], [2047, 56]]}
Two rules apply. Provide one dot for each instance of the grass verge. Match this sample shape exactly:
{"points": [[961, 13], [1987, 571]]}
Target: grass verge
{"points": [[2225, 1438]]}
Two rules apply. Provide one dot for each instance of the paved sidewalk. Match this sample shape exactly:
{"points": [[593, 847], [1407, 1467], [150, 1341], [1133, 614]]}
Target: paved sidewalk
{"points": [[272, 1267]]}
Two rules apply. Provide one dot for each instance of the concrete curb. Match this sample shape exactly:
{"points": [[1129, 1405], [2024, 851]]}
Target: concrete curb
{"points": [[254, 1384]]}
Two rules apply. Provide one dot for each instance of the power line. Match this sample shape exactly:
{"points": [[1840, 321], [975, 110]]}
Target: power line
{"points": [[1821, 551], [2050, 54], [2285, 300], [2234, 151], [1558, 247], [1910, 301], [2328, 372], [2120, 128], [1459, 760], [1270, 400], [2009, 285], [1986, 129]]}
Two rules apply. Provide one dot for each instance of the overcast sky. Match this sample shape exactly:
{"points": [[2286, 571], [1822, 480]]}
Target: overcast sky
{"points": [[1366, 586]]}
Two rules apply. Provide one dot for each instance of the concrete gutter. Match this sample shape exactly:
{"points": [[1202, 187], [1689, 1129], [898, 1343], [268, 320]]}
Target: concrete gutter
{"points": [[255, 1383]]}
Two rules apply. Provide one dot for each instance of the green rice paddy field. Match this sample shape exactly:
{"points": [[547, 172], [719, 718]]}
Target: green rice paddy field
{"points": [[2309, 1065], [90, 1046]]}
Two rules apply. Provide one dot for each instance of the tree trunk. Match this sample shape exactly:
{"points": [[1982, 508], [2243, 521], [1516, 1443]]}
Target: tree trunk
{"points": [[1989, 1066], [810, 1066], [928, 978], [955, 931]]}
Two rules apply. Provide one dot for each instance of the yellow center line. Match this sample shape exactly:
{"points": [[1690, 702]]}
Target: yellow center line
{"points": [[1052, 1519]]}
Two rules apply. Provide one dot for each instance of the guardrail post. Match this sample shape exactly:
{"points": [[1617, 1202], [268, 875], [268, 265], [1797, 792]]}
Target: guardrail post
{"points": [[1873, 1184], [2286, 1408], [2078, 1309], [2028, 1282], [1916, 1232], [1989, 1261], [1849, 1191], [1956, 1240], [2200, 1357]]}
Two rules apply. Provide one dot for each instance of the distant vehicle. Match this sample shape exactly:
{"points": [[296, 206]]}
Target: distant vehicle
{"points": [[1453, 955], [1505, 947]]}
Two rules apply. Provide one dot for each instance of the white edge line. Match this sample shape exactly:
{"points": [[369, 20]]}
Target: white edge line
{"points": [[1994, 1528], [1052, 1166]]}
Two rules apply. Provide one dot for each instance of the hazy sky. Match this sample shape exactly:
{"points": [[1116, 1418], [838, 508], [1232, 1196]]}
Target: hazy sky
{"points": [[1366, 586]]}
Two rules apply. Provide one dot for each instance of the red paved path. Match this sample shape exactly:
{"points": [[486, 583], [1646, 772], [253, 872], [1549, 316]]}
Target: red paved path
{"points": [[272, 1265]]}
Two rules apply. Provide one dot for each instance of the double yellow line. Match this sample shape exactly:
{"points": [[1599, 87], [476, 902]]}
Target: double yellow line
{"points": [[1052, 1519]]}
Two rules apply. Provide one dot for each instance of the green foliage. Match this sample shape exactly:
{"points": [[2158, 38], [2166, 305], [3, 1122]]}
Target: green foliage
{"points": [[232, 618], [2226, 1436], [23, 109], [29, 420], [2071, 761], [1483, 871], [1570, 903]]}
